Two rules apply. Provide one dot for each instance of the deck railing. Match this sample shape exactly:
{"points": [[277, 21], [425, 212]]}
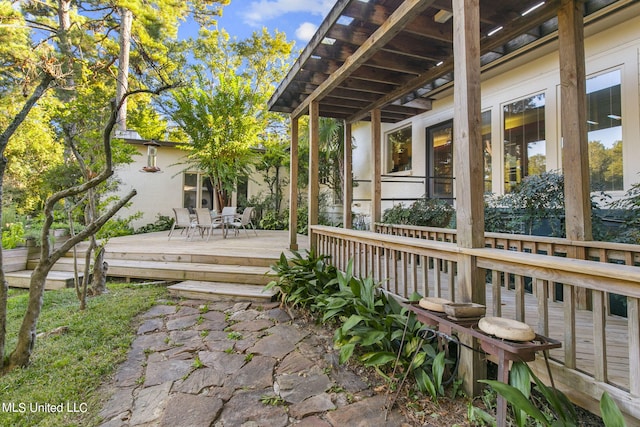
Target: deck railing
{"points": [[600, 351]]}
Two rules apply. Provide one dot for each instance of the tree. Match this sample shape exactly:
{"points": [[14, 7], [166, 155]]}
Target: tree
{"points": [[76, 52], [331, 154], [223, 111], [271, 164]]}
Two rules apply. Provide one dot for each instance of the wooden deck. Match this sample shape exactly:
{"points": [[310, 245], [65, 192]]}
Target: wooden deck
{"points": [[268, 244], [600, 351]]}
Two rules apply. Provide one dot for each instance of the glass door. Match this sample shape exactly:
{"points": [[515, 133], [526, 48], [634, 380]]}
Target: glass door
{"points": [[440, 161]]}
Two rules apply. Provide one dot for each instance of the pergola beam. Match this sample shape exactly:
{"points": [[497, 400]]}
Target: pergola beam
{"points": [[387, 31]]}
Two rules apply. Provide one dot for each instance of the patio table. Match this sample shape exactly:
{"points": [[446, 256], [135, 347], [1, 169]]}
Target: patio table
{"points": [[224, 219]]}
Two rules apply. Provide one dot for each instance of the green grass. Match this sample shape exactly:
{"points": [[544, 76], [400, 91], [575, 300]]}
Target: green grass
{"points": [[70, 367]]}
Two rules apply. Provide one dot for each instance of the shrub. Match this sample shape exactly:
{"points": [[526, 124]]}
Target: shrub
{"points": [[423, 212], [630, 224], [13, 236], [369, 325], [163, 223]]}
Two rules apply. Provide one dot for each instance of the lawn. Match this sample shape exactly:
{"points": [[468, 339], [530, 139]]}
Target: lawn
{"points": [[79, 351]]}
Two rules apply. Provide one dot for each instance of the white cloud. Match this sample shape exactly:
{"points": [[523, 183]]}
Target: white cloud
{"points": [[305, 31], [264, 10]]}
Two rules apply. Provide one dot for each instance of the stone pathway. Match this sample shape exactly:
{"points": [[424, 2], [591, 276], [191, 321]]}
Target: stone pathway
{"points": [[226, 364]]}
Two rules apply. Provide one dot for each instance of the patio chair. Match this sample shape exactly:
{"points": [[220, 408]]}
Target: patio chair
{"points": [[242, 221], [181, 220], [205, 223]]}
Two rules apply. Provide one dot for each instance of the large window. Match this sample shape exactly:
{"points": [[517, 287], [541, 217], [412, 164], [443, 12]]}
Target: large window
{"points": [[524, 140], [197, 191], [604, 123], [399, 150]]}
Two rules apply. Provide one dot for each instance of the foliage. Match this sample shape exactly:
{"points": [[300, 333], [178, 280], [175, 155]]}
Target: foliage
{"points": [[13, 236], [270, 164], [115, 227], [423, 212], [163, 223], [330, 155], [368, 323], [302, 279], [630, 226], [271, 220], [563, 414], [32, 152], [221, 129], [223, 108], [70, 367], [535, 204]]}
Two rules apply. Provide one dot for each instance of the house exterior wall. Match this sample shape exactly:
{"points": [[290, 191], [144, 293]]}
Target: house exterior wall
{"points": [[606, 48], [157, 193]]}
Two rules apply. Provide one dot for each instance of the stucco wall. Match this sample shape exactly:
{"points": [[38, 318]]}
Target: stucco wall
{"points": [[157, 193], [607, 48]]}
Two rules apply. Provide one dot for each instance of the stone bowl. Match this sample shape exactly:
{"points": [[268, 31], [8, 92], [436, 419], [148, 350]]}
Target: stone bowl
{"points": [[462, 310], [433, 303]]}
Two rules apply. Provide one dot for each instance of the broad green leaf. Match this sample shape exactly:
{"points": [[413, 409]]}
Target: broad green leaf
{"points": [[611, 414], [346, 351], [372, 337], [351, 322], [520, 379], [438, 370], [517, 400], [378, 358]]}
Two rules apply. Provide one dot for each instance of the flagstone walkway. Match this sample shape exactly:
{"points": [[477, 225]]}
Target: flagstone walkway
{"points": [[226, 364]]}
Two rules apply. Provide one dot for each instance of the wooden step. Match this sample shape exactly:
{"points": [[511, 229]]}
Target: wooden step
{"points": [[214, 291], [232, 257], [174, 271], [55, 279]]}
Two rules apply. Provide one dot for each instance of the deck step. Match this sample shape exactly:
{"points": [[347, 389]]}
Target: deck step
{"points": [[214, 291], [55, 279], [232, 258], [161, 270]]}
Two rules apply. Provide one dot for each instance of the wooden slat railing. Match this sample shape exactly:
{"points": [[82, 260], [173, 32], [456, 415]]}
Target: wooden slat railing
{"points": [[602, 351], [619, 253]]}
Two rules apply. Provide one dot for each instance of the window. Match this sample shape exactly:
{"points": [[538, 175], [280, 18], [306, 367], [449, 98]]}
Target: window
{"points": [[197, 191], [524, 140], [604, 124], [486, 149], [399, 150], [440, 161]]}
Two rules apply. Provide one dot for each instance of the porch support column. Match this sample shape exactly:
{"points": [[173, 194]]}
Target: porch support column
{"points": [[293, 186], [468, 157], [575, 147], [314, 158], [575, 155], [376, 178], [347, 191]]}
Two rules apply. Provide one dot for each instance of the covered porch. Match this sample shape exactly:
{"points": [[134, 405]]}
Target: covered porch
{"points": [[384, 61]]}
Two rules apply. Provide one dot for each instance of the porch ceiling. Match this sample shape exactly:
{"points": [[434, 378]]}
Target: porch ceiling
{"points": [[396, 55]]}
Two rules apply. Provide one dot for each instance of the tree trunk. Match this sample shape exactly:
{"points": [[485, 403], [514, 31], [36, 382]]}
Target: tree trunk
{"points": [[100, 267], [27, 334], [47, 79], [123, 67]]}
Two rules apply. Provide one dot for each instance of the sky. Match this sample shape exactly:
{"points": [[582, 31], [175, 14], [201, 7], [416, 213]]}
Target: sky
{"points": [[297, 18]]}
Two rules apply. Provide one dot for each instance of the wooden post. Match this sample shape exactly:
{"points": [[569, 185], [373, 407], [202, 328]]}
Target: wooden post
{"points": [[347, 191], [575, 146], [376, 179], [314, 158], [293, 186], [468, 157]]}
